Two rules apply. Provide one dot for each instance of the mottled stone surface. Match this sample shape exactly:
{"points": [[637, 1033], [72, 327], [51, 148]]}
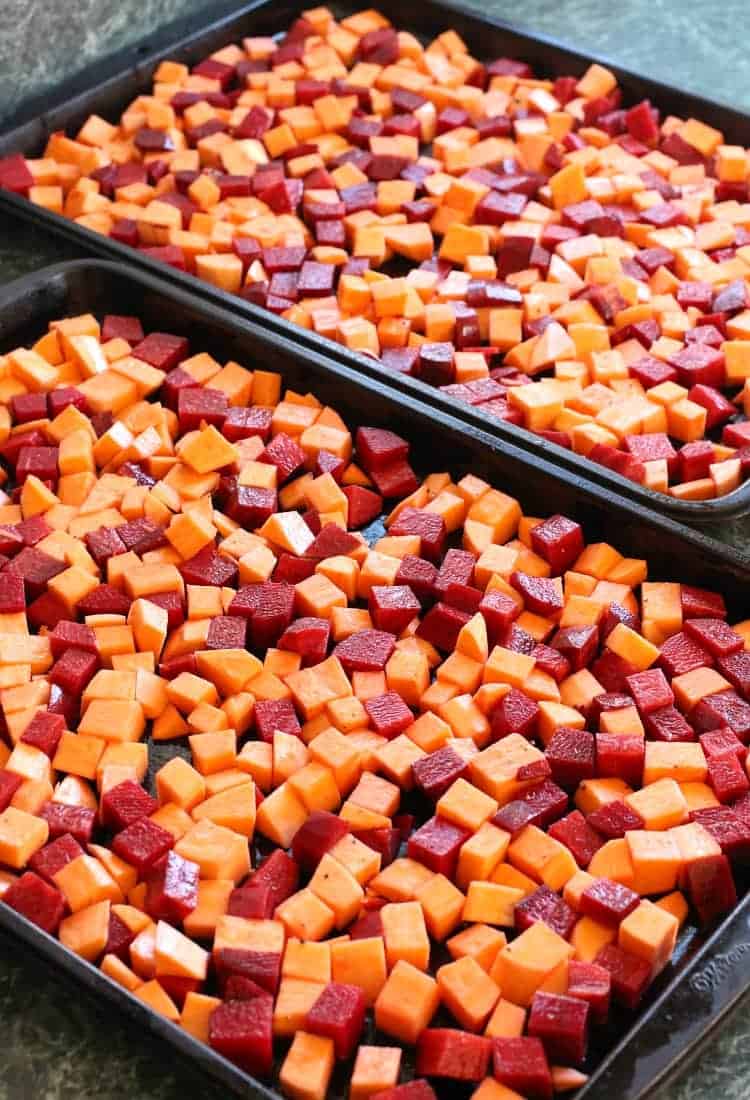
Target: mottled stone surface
{"points": [[58, 1043]]}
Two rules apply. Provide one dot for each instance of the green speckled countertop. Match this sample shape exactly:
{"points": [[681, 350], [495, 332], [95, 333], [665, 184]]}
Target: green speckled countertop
{"points": [[58, 1043]]}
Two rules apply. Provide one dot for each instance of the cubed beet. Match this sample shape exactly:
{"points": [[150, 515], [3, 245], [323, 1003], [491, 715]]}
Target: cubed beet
{"points": [[308, 637], [365, 651], [68, 634], [681, 653], [607, 901], [339, 1014], [126, 803], [44, 732], [614, 819], [280, 873], [62, 818], [727, 777], [729, 830], [668, 725], [172, 890], [548, 907], [725, 708], [575, 832], [591, 983], [578, 644], [54, 856], [388, 713], [36, 569], [436, 772], [37, 900], [437, 845], [515, 713], [162, 350], [210, 568], [559, 541], [73, 670], [629, 974], [571, 755], [253, 901], [429, 526], [561, 1022], [714, 635], [332, 541], [620, 755], [227, 632], [650, 690], [316, 836], [275, 714], [710, 887], [453, 1055], [242, 1031], [521, 1064], [379, 447], [392, 607], [143, 844], [364, 505]]}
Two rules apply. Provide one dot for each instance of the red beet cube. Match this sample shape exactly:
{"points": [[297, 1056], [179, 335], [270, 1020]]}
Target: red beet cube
{"points": [[308, 637], [210, 568], [378, 448], [515, 713], [142, 535], [552, 662], [239, 988], [36, 900], [163, 351], [629, 974], [365, 651], [242, 1031], [9, 784], [736, 669], [73, 670], [35, 568], [435, 773], [430, 528], [126, 803], [571, 756], [386, 841], [396, 480], [521, 1064], [26, 407], [227, 632], [292, 570], [668, 725], [276, 714], [452, 1054], [143, 844], [548, 907], [457, 568], [682, 653], [442, 625], [728, 829], [614, 819], [44, 732], [254, 901], [67, 634], [279, 873], [116, 326], [251, 506], [722, 742], [39, 461], [15, 175], [718, 408], [76, 820], [700, 603], [650, 690], [578, 644], [562, 1025], [339, 1014], [318, 835], [364, 505], [620, 755], [12, 597], [559, 541], [723, 709], [285, 454], [710, 887], [172, 890], [388, 713], [420, 576], [104, 544], [105, 600], [54, 856], [728, 777], [576, 834], [242, 423], [195, 404], [261, 967], [437, 845], [331, 541], [392, 607], [608, 901], [541, 595], [591, 983], [714, 635], [499, 611]]}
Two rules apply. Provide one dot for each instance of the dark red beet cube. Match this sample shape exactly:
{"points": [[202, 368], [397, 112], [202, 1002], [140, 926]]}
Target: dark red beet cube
{"points": [[388, 713], [227, 632], [36, 900], [681, 653], [74, 669], [629, 974], [253, 901], [396, 480], [435, 773], [620, 755], [571, 756], [562, 1025], [339, 1014], [262, 967], [308, 637], [365, 651], [116, 326], [44, 732], [452, 1054], [26, 407], [276, 714], [699, 363], [541, 595], [126, 803], [718, 408], [728, 777], [104, 544], [386, 841], [67, 634], [285, 454], [710, 887], [39, 461], [12, 598], [700, 603], [292, 570], [608, 901], [430, 528], [420, 575], [457, 568], [499, 611], [143, 844], [331, 541], [172, 890], [437, 845], [695, 459], [364, 505], [578, 644], [209, 567], [668, 725], [280, 873], [614, 819], [725, 708], [35, 568], [548, 907], [729, 830], [559, 541], [378, 448], [650, 690], [722, 742], [196, 404], [577, 835], [242, 423], [714, 635], [736, 669], [521, 1064], [251, 505], [392, 607], [142, 535], [105, 600], [318, 835], [54, 856], [76, 820], [442, 625], [242, 1031], [239, 988], [163, 350], [9, 784], [515, 713], [591, 983], [551, 661]]}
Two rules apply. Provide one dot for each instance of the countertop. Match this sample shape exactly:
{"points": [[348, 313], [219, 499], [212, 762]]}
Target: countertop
{"points": [[59, 1044]]}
